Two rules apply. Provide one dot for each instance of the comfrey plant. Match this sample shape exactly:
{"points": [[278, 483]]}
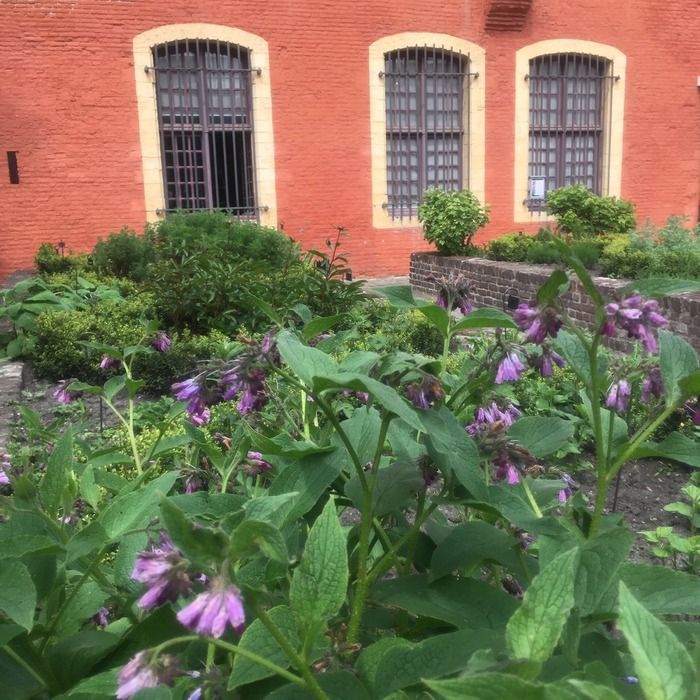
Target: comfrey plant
{"points": [[340, 574]]}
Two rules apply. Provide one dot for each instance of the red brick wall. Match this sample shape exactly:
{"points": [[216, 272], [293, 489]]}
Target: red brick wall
{"points": [[67, 104]]}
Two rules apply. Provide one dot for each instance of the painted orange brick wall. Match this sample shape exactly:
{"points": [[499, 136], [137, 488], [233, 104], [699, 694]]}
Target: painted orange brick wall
{"points": [[67, 105]]}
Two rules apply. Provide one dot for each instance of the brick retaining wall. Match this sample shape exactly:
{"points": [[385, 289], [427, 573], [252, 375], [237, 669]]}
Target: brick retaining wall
{"points": [[492, 282]]}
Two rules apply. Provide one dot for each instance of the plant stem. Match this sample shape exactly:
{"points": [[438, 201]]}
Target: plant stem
{"points": [[530, 498], [362, 584], [235, 649], [301, 665]]}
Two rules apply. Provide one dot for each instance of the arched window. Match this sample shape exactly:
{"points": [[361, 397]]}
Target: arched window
{"points": [[205, 121], [569, 109], [427, 107], [427, 97], [569, 120]]}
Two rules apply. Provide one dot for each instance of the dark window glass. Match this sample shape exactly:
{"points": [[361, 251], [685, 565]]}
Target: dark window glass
{"points": [[425, 104], [567, 108], [206, 126]]}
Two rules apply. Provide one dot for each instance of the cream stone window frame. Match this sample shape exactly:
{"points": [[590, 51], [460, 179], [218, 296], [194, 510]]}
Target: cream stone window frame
{"points": [[613, 130], [473, 157], [143, 45]]}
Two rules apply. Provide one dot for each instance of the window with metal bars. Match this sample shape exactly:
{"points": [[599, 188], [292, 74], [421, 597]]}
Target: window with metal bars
{"points": [[570, 105], [205, 120], [426, 104]]}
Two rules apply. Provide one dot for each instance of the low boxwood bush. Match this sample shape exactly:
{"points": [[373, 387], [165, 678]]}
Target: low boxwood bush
{"points": [[60, 352], [582, 213], [451, 218], [123, 254], [49, 261], [511, 247]]}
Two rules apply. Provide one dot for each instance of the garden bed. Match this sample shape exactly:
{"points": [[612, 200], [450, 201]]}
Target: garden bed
{"points": [[505, 284]]}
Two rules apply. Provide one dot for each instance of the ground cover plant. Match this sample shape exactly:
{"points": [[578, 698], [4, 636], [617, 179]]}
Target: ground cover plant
{"points": [[315, 519]]}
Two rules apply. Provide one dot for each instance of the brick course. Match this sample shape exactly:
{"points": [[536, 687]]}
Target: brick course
{"points": [[492, 281], [68, 107]]}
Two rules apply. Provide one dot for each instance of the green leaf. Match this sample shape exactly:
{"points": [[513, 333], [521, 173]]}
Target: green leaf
{"points": [[572, 349], [88, 488], [55, 479], [470, 544], [674, 446], [556, 285], [677, 360], [486, 686], [258, 640], [135, 510], [319, 583], [371, 656], [308, 478], [401, 296], [73, 658], [337, 685], [593, 690], [201, 545], [533, 631], [394, 485], [661, 590], [304, 361], [599, 566], [382, 393], [656, 287], [320, 325], [86, 541], [8, 632], [484, 318], [459, 602], [453, 450], [99, 686], [662, 663], [271, 509], [541, 435], [17, 593], [362, 429], [437, 316], [690, 385], [405, 665], [284, 444], [252, 535], [113, 386]]}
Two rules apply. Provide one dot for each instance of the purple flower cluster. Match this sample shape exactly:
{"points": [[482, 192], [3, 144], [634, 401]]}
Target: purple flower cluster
{"points": [[546, 360], [652, 385], [619, 396], [537, 323], [510, 367], [160, 342], [108, 362], [640, 318], [425, 393], [213, 610], [568, 491], [244, 378], [164, 571], [506, 470], [5, 467], [64, 394], [488, 417], [145, 671], [254, 465], [454, 293]]}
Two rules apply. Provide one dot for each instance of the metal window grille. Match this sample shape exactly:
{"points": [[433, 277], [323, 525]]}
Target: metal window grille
{"points": [[205, 118], [570, 103], [426, 102]]}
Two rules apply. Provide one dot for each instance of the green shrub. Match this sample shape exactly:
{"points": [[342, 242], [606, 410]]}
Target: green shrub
{"points": [[588, 252], [61, 354], [123, 254], [450, 219], [582, 213], [182, 236], [49, 261], [511, 247], [543, 253], [617, 259]]}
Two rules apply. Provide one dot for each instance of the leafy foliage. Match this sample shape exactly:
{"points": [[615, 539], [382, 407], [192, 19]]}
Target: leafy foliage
{"points": [[451, 218]]}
